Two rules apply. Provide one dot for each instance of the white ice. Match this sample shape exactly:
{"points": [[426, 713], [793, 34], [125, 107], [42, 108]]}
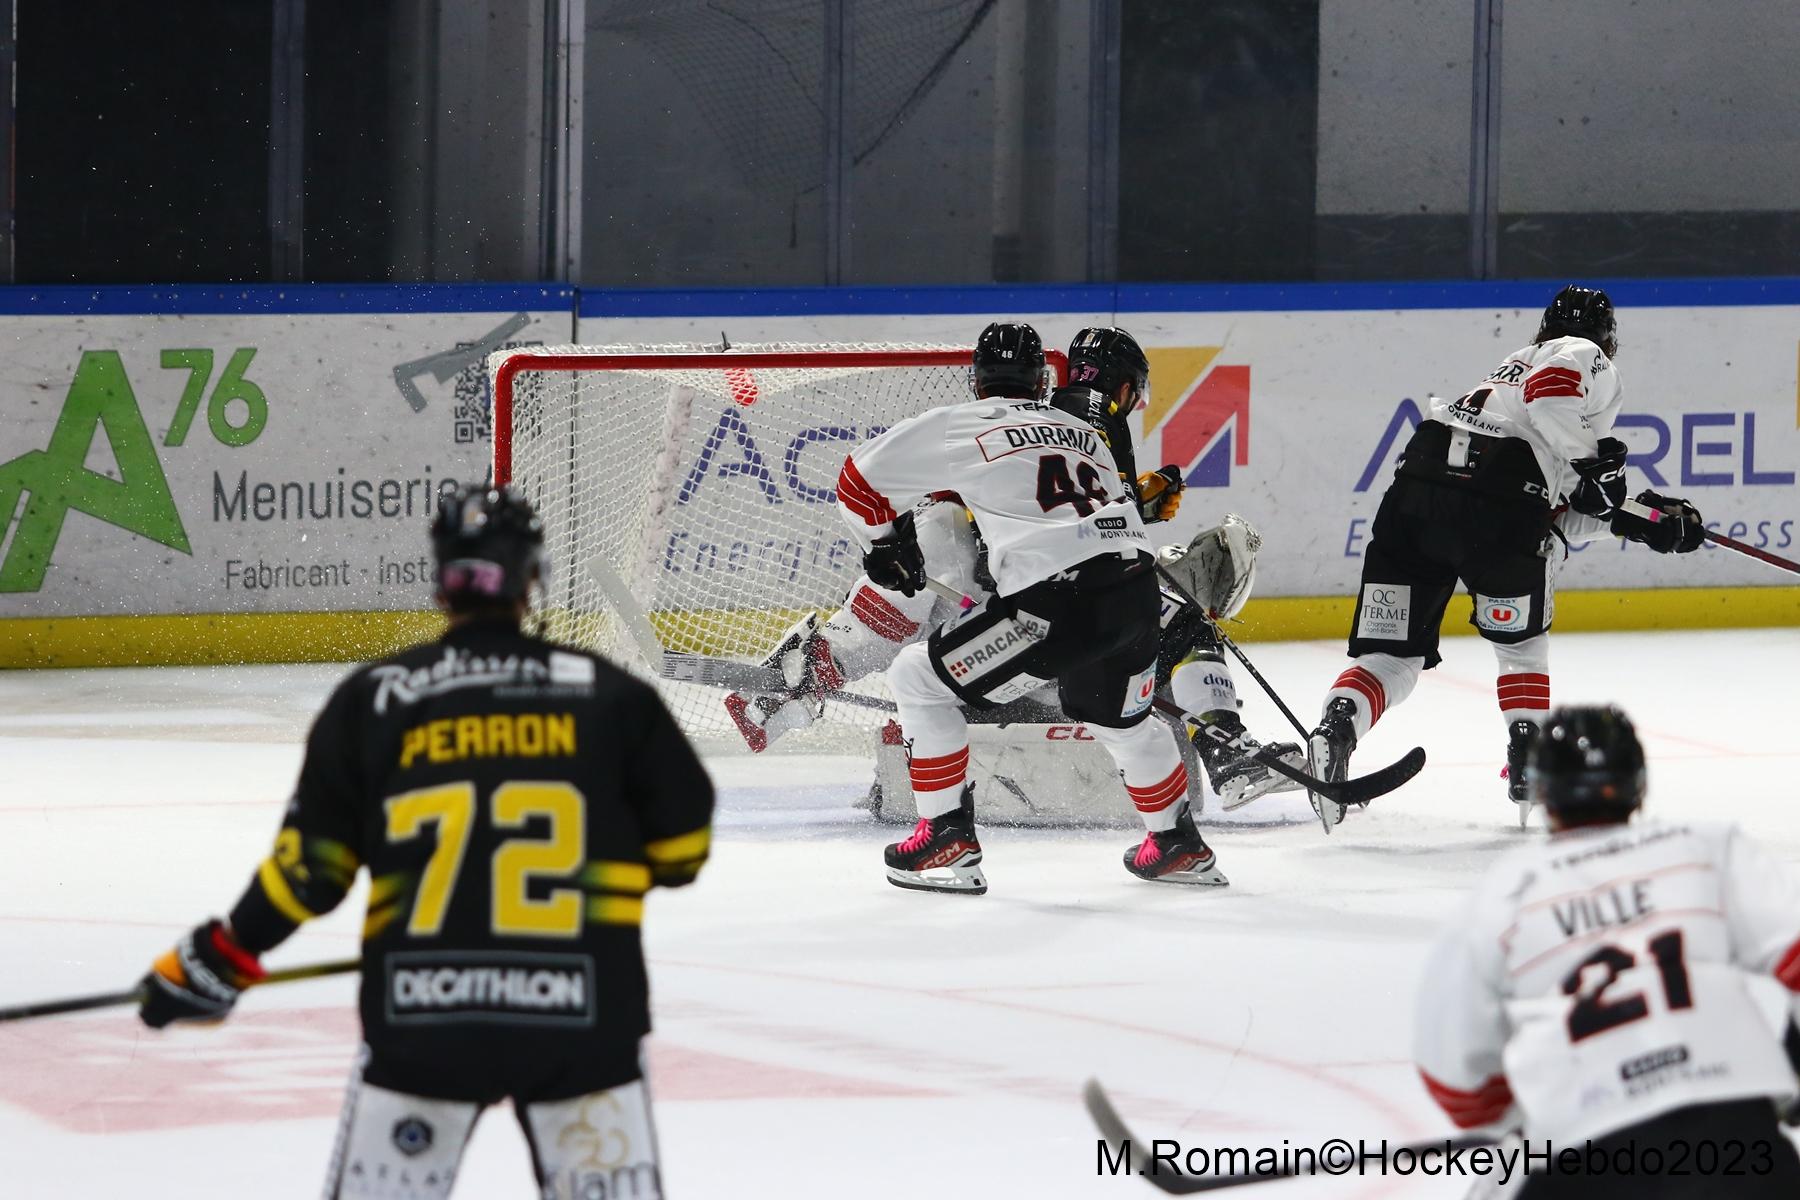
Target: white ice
{"points": [[819, 1032]]}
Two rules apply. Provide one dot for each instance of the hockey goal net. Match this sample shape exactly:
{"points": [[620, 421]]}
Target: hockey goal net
{"points": [[688, 498]]}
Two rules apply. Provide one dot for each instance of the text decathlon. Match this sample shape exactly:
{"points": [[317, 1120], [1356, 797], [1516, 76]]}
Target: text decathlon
{"points": [[519, 989]]}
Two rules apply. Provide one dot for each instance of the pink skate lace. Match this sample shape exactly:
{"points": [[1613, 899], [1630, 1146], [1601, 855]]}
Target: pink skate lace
{"points": [[1149, 853], [921, 835]]}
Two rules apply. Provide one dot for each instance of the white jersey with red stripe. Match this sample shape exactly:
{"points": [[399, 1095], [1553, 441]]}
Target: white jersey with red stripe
{"points": [[1043, 486], [1603, 976], [1560, 396]]}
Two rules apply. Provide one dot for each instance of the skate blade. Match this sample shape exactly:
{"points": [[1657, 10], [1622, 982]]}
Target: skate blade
{"points": [[1329, 811], [1525, 807], [1202, 877], [1233, 797], [963, 879]]}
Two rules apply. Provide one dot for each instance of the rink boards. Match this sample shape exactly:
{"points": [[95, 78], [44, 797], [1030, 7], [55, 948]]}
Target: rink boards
{"points": [[212, 475]]}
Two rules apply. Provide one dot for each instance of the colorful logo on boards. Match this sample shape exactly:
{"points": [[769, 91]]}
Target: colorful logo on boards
{"points": [[1202, 409], [40, 488]]}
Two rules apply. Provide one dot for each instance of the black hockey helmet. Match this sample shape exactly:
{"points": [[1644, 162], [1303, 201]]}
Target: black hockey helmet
{"points": [[1101, 361], [1581, 312], [488, 545], [1586, 766], [1009, 361]]}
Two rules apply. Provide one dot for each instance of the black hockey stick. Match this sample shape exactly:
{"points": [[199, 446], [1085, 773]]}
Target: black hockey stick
{"points": [[51, 1008], [1360, 790], [1173, 1181], [1237, 652], [1718, 539], [726, 672]]}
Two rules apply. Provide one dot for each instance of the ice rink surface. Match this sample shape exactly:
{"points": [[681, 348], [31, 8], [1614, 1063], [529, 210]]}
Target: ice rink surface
{"points": [[819, 1032]]}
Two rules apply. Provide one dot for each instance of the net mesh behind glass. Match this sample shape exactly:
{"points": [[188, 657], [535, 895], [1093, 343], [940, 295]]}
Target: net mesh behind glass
{"points": [[688, 496]]}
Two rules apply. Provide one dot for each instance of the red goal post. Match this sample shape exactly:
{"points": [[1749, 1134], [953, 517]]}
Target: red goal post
{"points": [[688, 493]]}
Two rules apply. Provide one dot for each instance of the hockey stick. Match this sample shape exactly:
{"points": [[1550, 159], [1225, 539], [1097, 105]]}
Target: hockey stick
{"points": [[1236, 651], [1774, 560], [1360, 790], [1113, 1128], [626, 608], [725, 672], [51, 1008]]}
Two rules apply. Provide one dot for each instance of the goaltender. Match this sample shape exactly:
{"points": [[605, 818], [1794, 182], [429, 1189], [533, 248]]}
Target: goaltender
{"points": [[513, 801]]}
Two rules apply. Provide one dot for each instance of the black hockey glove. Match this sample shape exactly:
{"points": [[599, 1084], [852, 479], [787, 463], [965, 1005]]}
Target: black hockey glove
{"points": [[895, 562], [1602, 486], [199, 979], [1679, 530], [1159, 494]]}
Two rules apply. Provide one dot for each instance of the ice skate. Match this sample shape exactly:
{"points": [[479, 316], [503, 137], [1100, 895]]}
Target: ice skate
{"points": [[1518, 745], [1225, 748], [1328, 754], [1178, 855], [942, 853]]}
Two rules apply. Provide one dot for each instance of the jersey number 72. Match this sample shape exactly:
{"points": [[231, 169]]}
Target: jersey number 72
{"points": [[512, 911]]}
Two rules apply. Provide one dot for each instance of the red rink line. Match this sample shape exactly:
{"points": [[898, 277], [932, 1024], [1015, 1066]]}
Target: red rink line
{"points": [[1373, 1100], [111, 1075]]}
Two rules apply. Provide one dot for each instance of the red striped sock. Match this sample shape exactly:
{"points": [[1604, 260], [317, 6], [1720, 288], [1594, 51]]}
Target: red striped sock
{"points": [[1159, 796], [936, 774], [1523, 695], [1365, 684]]}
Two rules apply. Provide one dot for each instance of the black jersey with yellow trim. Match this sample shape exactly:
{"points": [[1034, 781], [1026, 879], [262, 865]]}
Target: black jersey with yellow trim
{"points": [[513, 801]]}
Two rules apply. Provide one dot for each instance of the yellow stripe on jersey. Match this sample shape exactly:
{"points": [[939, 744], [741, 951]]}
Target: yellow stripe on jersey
{"points": [[615, 910], [627, 877], [685, 848], [275, 887]]}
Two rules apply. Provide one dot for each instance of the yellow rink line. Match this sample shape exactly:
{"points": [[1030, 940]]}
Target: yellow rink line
{"points": [[216, 638]]}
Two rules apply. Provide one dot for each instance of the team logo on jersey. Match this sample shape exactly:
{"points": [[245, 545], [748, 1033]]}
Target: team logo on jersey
{"points": [[492, 985], [1503, 614], [1203, 416]]}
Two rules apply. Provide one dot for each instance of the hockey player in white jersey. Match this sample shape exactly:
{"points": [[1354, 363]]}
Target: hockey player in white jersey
{"points": [[1075, 602], [864, 636], [1596, 988], [1488, 491]]}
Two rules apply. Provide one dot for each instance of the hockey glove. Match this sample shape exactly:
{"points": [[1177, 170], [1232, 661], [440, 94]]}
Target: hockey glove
{"points": [[1159, 494], [895, 562], [1679, 530], [199, 979], [1602, 486]]}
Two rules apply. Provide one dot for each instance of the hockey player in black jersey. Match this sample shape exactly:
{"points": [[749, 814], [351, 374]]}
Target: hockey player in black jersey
{"points": [[1489, 491], [513, 801]]}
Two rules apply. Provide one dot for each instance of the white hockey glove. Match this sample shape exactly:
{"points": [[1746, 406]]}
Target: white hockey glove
{"points": [[1218, 568]]}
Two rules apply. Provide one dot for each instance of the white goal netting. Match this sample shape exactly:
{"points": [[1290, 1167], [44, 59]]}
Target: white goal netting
{"points": [[688, 497]]}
